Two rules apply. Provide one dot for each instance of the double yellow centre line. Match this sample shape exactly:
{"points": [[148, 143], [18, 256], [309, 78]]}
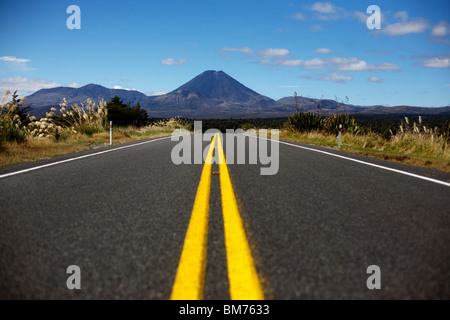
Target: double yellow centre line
{"points": [[242, 276]]}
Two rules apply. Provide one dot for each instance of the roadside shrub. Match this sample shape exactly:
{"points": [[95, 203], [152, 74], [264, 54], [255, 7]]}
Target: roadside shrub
{"points": [[332, 122], [12, 131], [302, 121], [14, 118], [123, 115], [305, 121]]}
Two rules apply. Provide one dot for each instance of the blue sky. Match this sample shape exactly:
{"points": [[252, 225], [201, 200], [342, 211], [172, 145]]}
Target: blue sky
{"points": [[318, 49]]}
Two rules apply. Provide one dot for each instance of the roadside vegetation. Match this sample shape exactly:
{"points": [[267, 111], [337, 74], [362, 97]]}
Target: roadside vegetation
{"points": [[69, 129], [411, 142]]}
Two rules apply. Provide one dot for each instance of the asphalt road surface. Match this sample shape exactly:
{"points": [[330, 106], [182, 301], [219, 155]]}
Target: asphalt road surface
{"points": [[313, 229]]}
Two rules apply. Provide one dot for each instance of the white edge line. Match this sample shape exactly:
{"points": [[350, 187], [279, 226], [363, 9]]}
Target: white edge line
{"points": [[360, 161], [80, 157]]}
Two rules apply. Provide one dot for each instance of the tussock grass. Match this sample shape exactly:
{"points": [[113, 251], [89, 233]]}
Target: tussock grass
{"points": [[87, 119], [35, 149]]}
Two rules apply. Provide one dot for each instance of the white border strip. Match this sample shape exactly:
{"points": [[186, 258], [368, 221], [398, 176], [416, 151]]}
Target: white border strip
{"points": [[81, 157], [363, 162]]}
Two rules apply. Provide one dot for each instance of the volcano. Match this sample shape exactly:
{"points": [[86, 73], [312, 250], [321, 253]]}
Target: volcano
{"points": [[212, 94]]}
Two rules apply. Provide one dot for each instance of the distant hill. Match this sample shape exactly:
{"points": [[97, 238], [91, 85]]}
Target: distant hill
{"points": [[41, 101], [212, 94], [329, 106], [406, 110], [326, 106]]}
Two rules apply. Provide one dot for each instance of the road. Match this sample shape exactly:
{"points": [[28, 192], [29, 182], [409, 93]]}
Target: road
{"points": [[312, 229]]}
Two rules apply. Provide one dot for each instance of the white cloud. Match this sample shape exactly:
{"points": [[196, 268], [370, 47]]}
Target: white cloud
{"points": [[156, 93], [437, 62], [441, 29], [273, 53], [323, 7], [360, 16], [298, 16], [402, 15], [280, 58], [349, 64], [405, 27], [26, 85], [335, 77], [266, 61], [385, 66], [122, 88], [291, 63], [327, 11], [15, 64], [315, 28], [245, 50], [322, 50], [172, 61], [314, 64], [346, 64], [13, 59], [375, 79], [74, 85]]}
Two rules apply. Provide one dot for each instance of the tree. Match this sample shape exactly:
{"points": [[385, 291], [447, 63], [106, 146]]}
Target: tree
{"points": [[139, 115], [123, 115]]}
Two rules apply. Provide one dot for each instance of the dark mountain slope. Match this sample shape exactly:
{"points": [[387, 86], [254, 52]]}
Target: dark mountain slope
{"points": [[41, 101]]}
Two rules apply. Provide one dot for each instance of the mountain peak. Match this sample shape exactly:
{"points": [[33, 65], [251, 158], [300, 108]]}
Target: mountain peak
{"points": [[217, 85], [92, 85], [215, 73], [211, 93]]}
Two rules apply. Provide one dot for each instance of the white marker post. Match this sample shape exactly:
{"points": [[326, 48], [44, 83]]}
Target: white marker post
{"points": [[340, 132], [110, 133]]}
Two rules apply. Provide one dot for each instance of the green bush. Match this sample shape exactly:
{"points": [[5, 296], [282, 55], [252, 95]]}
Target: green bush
{"points": [[332, 122], [11, 131], [305, 121], [88, 129], [302, 121]]}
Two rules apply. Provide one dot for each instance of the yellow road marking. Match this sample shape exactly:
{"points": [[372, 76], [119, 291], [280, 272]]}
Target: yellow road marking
{"points": [[189, 281], [242, 276]]}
